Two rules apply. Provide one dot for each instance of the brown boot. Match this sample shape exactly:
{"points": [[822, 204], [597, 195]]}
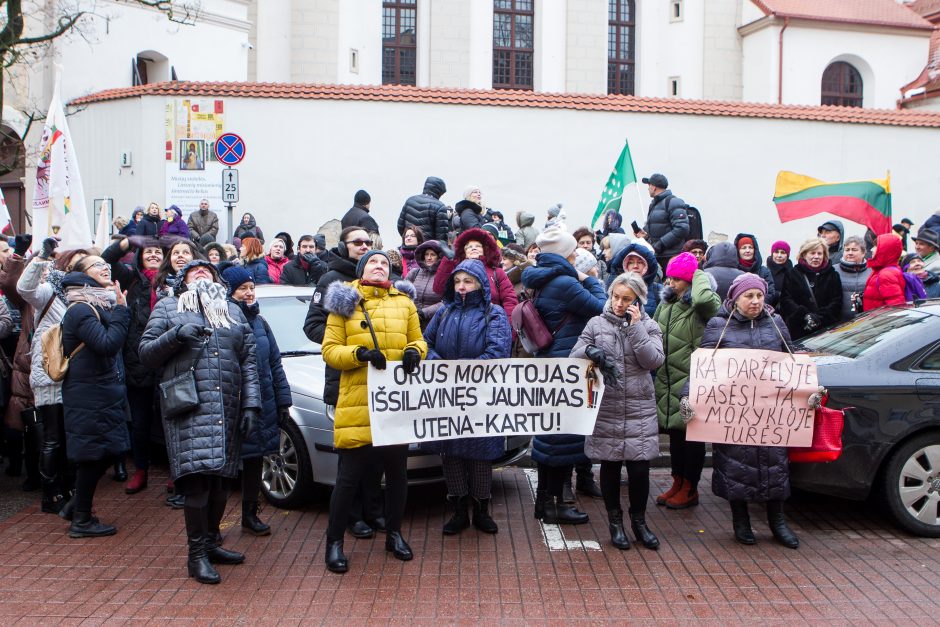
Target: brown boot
{"points": [[677, 483], [686, 497]]}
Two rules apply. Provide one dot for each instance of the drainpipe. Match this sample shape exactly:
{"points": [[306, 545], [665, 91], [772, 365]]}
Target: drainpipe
{"points": [[786, 22]]}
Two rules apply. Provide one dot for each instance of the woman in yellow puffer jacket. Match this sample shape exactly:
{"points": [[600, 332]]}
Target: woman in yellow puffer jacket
{"points": [[370, 321]]}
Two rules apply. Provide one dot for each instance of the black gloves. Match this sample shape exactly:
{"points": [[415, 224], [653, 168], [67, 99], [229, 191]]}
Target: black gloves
{"points": [[48, 247], [596, 355], [21, 244], [192, 333], [248, 421], [283, 413], [411, 360], [374, 357]]}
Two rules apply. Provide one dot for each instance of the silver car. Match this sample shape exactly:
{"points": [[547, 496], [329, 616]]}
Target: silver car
{"points": [[306, 458]]}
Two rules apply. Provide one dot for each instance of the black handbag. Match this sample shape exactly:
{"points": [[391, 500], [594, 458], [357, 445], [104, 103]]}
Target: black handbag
{"points": [[178, 394]]}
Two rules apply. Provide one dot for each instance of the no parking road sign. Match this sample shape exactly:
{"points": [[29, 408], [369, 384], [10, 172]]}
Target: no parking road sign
{"points": [[230, 149]]}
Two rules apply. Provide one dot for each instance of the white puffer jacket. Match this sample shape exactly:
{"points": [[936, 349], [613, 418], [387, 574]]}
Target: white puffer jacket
{"points": [[37, 293]]}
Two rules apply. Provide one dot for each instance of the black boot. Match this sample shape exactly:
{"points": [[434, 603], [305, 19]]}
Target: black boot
{"points": [[481, 516], [585, 484], [84, 525], [197, 532], [559, 513], [250, 521], [778, 525], [215, 510], [541, 499], [618, 536], [396, 545], [459, 520], [31, 446], [741, 522], [52, 499], [567, 494], [120, 470], [68, 509], [641, 532], [336, 561]]}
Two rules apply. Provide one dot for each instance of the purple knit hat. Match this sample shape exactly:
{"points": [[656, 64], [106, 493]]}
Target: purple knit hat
{"points": [[780, 245], [682, 266], [741, 284]]}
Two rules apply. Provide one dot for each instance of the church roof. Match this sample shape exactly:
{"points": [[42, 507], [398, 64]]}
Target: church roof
{"points": [[870, 12], [929, 79], [928, 9], [525, 99]]}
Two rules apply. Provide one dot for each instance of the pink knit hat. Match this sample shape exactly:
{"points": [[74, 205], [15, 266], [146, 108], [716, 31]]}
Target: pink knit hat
{"points": [[682, 266]]}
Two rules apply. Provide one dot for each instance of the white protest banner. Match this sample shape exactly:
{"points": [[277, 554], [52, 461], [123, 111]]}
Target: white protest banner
{"points": [[755, 397], [450, 399]]}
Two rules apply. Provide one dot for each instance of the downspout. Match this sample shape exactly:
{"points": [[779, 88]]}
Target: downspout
{"points": [[786, 22]]}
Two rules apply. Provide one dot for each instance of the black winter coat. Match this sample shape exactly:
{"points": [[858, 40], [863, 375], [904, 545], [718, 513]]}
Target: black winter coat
{"points": [[471, 215], [667, 224], [208, 440], [341, 269], [565, 305], [294, 272], [749, 473], [772, 296], [357, 215], [94, 396], [426, 211], [275, 391], [139, 290], [779, 273], [824, 302], [149, 226]]}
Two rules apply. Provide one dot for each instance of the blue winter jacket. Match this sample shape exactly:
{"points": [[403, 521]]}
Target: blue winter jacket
{"points": [[259, 271], [469, 327], [564, 304], [275, 390], [653, 288]]}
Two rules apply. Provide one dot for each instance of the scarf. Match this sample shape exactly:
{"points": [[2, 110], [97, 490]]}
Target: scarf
{"points": [[151, 275], [383, 284], [103, 297], [208, 297], [809, 268], [745, 264], [251, 311]]}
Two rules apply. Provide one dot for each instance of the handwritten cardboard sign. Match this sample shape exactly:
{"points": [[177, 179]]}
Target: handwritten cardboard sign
{"points": [[754, 397], [449, 399]]}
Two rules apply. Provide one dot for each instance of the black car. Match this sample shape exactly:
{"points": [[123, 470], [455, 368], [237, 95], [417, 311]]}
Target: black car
{"points": [[883, 368]]}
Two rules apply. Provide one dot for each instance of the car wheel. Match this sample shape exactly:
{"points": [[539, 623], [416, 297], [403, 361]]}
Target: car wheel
{"points": [[912, 485], [287, 478]]}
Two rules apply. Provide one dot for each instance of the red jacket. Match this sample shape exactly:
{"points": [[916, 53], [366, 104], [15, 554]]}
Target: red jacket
{"points": [[885, 285], [275, 267], [500, 286]]}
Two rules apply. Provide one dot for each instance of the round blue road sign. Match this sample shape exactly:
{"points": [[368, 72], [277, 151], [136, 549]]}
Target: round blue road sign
{"points": [[230, 149]]}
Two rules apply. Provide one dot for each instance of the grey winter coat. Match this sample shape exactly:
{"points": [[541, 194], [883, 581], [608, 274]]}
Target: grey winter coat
{"points": [[854, 276], [527, 233], [37, 293], [208, 440], [626, 427], [422, 276], [749, 473], [721, 262]]}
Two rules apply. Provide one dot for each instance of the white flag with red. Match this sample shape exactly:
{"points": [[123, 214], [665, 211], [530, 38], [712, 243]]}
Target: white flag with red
{"points": [[6, 224]]}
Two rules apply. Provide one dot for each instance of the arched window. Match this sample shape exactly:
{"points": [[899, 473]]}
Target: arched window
{"points": [[841, 85], [513, 43], [621, 47], [399, 42]]}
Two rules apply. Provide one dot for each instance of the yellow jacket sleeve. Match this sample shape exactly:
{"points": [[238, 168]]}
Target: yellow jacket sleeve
{"points": [[336, 353]]}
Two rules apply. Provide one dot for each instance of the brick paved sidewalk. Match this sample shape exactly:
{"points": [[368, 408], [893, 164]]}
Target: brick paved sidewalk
{"points": [[852, 567]]}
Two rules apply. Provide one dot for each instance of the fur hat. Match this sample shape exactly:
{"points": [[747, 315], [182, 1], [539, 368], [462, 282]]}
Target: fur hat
{"points": [[556, 240], [692, 244], [515, 253], [361, 266], [682, 267], [584, 261]]}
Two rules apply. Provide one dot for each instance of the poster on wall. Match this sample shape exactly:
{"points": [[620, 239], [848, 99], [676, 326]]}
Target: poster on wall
{"points": [[192, 171]]}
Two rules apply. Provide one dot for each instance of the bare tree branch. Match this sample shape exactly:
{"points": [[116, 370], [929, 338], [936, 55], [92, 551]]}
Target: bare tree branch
{"points": [[66, 22]]}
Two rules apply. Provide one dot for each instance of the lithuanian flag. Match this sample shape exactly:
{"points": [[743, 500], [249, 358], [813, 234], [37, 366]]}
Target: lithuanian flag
{"points": [[866, 202]]}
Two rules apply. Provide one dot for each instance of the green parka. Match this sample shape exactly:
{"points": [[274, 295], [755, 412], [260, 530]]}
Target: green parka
{"points": [[683, 322]]}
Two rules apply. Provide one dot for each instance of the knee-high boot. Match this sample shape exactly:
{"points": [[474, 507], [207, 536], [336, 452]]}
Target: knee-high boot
{"points": [[216, 510], [197, 532]]}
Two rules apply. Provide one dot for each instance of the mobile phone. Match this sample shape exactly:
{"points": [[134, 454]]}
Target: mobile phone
{"points": [[635, 226]]}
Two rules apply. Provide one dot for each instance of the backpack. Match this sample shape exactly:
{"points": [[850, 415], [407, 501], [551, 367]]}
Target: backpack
{"points": [[54, 360], [531, 329], [913, 288], [696, 230]]}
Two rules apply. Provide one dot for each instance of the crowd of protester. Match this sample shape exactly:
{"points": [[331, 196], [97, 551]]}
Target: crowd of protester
{"points": [[168, 309]]}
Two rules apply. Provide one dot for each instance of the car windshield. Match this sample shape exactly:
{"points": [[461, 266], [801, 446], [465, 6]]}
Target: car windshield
{"points": [[286, 316], [859, 336]]}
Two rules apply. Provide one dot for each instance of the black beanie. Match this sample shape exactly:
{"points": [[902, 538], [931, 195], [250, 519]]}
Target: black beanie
{"points": [[362, 197]]}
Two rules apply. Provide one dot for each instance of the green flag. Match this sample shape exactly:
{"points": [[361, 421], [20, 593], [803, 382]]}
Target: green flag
{"points": [[621, 176]]}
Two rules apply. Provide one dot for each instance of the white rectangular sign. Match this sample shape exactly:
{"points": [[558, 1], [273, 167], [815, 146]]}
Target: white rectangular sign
{"points": [[229, 186], [450, 399]]}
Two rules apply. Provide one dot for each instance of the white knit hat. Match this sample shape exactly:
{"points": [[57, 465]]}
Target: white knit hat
{"points": [[585, 261], [556, 239]]}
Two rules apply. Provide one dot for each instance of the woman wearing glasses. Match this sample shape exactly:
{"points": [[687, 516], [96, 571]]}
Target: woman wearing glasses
{"points": [[94, 328]]}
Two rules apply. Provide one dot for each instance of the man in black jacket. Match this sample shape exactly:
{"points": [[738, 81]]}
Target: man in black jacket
{"points": [[358, 214], [354, 242], [667, 224], [306, 268], [426, 211]]}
